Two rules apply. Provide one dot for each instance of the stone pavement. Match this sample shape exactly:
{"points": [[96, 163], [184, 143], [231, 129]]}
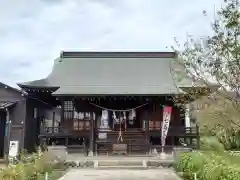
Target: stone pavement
{"points": [[91, 174]]}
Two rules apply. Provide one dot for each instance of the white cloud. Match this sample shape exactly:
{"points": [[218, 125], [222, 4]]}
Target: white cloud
{"points": [[33, 32]]}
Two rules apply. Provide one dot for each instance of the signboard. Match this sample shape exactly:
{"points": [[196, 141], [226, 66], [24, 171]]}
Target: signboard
{"points": [[13, 149], [167, 110]]}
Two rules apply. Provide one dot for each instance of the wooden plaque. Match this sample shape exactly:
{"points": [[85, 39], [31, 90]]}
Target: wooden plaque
{"points": [[75, 125], [87, 125], [81, 125]]}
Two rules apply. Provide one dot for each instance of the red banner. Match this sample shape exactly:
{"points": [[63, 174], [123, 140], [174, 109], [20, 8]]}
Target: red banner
{"points": [[167, 111]]}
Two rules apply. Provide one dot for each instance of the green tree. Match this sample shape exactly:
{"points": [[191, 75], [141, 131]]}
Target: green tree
{"points": [[216, 59]]}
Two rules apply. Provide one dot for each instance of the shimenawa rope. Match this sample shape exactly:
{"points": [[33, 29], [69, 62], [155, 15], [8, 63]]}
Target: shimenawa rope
{"points": [[118, 110]]}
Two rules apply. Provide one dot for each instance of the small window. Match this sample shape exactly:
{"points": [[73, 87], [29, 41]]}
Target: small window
{"points": [[68, 109]]}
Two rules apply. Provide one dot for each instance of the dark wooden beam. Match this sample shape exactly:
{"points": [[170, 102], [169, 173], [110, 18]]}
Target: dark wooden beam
{"points": [[92, 136], [62, 109], [53, 122]]}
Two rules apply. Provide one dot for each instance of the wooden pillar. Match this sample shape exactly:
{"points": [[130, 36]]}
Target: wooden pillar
{"points": [[92, 137], [62, 110], [147, 134], [172, 140], [198, 136], [95, 132], [8, 134], [53, 122], [66, 141], [147, 129]]}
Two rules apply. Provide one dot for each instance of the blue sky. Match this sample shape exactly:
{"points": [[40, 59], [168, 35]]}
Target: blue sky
{"points": [[33, 32]]}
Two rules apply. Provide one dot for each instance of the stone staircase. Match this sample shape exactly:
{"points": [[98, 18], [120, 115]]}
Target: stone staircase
{"points": [[120, 164], [135, 141]]}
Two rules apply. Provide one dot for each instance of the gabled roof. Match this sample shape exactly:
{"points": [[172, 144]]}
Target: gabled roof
{"points": [[109, 73], [6, 104], [10, 87], [6, 101]]}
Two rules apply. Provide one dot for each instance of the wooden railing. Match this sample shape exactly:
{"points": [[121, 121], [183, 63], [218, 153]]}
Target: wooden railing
{"points": [[68, 127], [87, 127], [180, 130], [129, 147], [53, 130], [185, 136], [80, 125]]}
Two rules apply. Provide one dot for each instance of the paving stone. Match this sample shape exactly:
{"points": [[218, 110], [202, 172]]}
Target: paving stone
{"points": [[91, 174]]}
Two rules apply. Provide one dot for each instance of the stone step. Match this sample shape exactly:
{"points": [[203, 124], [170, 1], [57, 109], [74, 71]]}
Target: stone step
{"points": [[122, 167], [125, 163], [119, 163]]}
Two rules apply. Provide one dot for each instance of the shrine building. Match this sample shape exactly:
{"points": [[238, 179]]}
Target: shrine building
{"points": [[111, 102]]}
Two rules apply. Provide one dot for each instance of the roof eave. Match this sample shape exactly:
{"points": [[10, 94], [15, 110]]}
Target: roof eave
{"points": [[24, 86], [7, 105], [14, 89], [119, 94], [98, 54]]}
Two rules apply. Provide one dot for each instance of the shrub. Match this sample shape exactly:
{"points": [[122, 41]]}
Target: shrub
{"points": [[29, 167], [209, 165], [228, 136], [211, 143]]}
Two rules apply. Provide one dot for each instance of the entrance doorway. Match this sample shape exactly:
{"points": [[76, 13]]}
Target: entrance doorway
{"points": [[2, 132]]}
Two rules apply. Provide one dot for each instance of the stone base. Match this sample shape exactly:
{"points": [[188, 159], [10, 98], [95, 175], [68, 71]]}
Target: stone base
{"points": [[58, 152], [163, 155], [90, 154]]}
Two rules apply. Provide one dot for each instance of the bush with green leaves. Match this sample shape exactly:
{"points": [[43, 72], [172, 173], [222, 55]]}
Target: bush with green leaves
{"points": [[211, 163], [211, 143], [208, 166], [31, 167]]}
